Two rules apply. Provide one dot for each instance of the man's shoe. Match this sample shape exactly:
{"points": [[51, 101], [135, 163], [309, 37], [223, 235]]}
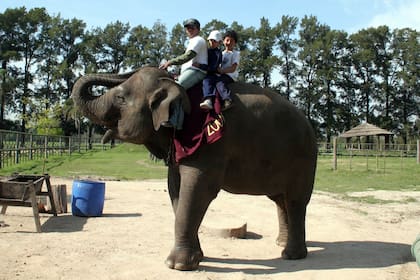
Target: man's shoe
{"points": [[167, 124], [227, 104], [206, 104]]}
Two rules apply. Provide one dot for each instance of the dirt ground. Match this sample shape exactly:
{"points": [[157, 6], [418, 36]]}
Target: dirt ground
{"points": [[131, 240]]}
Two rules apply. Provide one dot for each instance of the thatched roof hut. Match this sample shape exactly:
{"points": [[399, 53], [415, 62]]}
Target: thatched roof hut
{"points": [[365, 129]]}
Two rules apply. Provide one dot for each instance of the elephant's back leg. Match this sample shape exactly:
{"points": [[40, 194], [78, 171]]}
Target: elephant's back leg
{"points": [[296, 244], [291, 215], [282, 219]]}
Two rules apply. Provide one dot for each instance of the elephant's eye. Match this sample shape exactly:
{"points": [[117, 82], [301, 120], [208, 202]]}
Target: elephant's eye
{"points": [[120, 100]]}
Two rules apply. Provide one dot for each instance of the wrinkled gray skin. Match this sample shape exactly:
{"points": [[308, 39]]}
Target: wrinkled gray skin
{"points": [[268, 148]]}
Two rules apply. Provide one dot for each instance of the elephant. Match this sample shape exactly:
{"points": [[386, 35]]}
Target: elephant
{"points": [[268, 148]]}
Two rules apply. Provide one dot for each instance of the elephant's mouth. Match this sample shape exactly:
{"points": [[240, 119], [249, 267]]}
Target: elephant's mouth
{"points": [[118, 132], [114, 133]]}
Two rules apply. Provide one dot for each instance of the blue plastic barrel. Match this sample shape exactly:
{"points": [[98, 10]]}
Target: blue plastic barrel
{"points": [[415, 249], [87, 198]]}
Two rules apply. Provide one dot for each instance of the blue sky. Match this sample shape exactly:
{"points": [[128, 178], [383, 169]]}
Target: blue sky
{"points": [[347, 15]]}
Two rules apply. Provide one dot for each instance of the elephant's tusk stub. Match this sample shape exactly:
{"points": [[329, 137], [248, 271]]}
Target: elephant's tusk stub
{"points": [[109, 134]]}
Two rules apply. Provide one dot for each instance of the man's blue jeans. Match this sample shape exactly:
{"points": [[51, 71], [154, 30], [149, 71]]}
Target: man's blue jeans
{"points": [[189, 77]]}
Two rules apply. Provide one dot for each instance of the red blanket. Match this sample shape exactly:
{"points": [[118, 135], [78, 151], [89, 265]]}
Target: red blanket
{"points": [[200, 127]]}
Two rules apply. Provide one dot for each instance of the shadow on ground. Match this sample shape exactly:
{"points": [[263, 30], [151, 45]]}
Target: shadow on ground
{"points": [[322, 256], [70, 223]]}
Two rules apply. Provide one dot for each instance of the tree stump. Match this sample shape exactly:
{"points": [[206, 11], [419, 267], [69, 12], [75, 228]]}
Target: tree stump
{"points": [[226, 231]]}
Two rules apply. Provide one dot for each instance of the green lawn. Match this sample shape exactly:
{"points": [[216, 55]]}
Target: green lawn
{"points": [[361, 174], [124, 162], [131, 162]]}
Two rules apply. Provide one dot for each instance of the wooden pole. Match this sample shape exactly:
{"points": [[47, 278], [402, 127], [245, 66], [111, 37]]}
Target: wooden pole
{"points": [[367, 160], [50, 194], [418, 151], [334, 153], [34, 205], [59, 194]]}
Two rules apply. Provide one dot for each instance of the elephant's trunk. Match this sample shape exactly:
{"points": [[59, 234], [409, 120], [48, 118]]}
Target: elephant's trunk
{"points": [[96, 107]]}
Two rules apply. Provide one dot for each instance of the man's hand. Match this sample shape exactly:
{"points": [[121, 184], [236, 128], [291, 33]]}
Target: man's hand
{"points": [[165, 65]]}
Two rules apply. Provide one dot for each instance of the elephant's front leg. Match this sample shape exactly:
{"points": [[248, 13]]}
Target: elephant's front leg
{"points": [[174, 182], [197, 190]]}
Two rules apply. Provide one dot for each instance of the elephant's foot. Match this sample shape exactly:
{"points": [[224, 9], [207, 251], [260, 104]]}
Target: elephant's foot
{"points": [[295, 252], [184, 259]]}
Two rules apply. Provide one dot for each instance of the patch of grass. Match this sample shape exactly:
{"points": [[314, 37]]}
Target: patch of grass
{"points": [[370, 199], [132, 162], [391, 173], [124, 162], [410, 200]]}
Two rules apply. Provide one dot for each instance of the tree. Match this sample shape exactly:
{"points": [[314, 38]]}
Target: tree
{"points": [[335, 78], [113, 46], [332, 50], [47, 121], [89, 49], [69, 36], [9, 52], [177, 39], [176, 46], [310, 43], [46, 89], [157, 47], [287, 46], [30, 26], [386, 74], [260, 61], [213, 25], [366, 70], [406, 100], [137, 48], [346, 113]]}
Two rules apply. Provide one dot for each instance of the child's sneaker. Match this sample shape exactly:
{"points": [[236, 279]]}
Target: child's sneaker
{"points": [[227, 104], [206, 104]]}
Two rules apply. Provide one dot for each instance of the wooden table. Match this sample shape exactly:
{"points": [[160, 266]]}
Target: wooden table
{"points": [[21, 190]]}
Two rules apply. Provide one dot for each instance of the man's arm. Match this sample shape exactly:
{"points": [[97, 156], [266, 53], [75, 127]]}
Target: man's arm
{"points": [[188, 55]]}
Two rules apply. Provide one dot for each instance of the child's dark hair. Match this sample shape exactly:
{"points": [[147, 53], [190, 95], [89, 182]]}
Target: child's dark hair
{"points": [[231, 34]]}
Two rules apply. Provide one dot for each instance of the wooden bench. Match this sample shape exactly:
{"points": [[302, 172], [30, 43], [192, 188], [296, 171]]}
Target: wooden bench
{"points": [[21, 190]]}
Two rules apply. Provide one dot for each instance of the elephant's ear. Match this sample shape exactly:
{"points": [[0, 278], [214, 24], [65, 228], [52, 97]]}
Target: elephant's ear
{"points": [[167, 93]]}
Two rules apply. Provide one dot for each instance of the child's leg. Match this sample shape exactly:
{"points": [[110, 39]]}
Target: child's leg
{"points": [[222, 88], [208, 87]]}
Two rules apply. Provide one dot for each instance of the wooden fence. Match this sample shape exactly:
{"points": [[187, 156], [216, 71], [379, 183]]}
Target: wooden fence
{"points": [[344, 150], [18, 147]]}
